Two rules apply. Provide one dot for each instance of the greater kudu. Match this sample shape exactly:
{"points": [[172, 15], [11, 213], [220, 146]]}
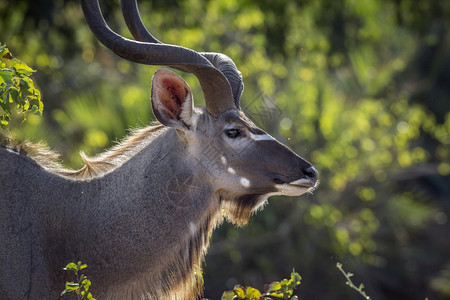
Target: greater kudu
{"points": [[141, 214]]}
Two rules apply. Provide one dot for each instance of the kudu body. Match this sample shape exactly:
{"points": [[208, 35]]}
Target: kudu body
{"points": [[140, 215]]}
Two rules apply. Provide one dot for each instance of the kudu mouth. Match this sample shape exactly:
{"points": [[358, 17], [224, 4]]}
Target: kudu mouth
{"points": [[309, 180]]}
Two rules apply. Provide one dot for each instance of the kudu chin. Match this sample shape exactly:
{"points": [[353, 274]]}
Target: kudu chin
{"points": [[140, 215]]}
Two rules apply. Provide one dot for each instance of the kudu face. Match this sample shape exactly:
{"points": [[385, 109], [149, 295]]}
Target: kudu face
{"points": [[243, 164]]}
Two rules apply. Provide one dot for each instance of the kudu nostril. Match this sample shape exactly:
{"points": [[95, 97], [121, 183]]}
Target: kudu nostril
{"points": [[311, 173]]}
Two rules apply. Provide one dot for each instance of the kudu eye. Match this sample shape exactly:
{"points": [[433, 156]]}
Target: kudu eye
{"points": [[233, 133]]}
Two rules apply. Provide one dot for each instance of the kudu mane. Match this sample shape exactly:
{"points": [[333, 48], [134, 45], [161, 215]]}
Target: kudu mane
{"points": [[94, 167]]}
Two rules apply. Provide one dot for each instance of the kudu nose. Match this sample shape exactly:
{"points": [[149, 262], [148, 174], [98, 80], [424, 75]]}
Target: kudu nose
{"points": [[311, 173], [310, 177]]}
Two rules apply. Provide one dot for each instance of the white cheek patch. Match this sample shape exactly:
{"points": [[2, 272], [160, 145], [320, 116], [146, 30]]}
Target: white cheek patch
{"points": [[261, 137], [245, 182], [231, 171]]}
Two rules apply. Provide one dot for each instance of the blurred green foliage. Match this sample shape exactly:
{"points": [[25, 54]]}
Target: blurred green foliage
{"points": [[16, 87], [359, 87]]}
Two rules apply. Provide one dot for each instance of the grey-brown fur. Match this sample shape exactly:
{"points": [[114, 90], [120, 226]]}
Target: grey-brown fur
{"points": [[136, 240], [140, 215], [121, 223], [107, 222]]}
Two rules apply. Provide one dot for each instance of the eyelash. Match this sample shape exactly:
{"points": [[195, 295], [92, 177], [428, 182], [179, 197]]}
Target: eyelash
{"points": [[233, 133]]}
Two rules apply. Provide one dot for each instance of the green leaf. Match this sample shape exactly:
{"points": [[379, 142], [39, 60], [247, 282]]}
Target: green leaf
{"points": [[86, 284], [26, 106], [66, 291], [3, 122], [5, 53], [3, 49], [13, 93], [284, 282], [87, 295], [72, 286], [276, 295], [274, 286], [26, 83], [239, 291], [288, 293], [252, 293], [296, 278], [21, 67], [71, 267], [5, 105], [228, 295], [7, 75], [82, 279], [36, 110], [90, 297]]}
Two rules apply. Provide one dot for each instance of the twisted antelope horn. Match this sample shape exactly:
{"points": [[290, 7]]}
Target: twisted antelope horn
{"points": [[216, 88], [220, 61]]}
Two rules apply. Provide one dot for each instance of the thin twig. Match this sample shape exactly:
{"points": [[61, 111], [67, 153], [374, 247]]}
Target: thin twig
{"points": [[350, 283]]}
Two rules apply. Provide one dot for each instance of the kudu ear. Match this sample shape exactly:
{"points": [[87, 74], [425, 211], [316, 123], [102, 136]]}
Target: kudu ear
{"points": [[172, 99]]}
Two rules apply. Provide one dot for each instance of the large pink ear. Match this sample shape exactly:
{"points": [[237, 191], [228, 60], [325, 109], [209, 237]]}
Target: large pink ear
{"points": [[171, 99]]}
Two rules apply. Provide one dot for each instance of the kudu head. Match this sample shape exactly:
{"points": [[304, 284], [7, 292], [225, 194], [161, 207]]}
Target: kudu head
{"points": [[243, 164]]}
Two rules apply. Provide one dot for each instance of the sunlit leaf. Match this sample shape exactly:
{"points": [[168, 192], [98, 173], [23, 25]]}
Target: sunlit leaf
{"points": [[252, 293], [296, 278], [239, 291], [228, 295], [274, 286], [71, 266], [72, 286], [21, 67]]}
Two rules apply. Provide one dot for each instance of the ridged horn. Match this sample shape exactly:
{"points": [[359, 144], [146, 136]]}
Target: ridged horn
{"points": [[216, 88], [220, 61]]}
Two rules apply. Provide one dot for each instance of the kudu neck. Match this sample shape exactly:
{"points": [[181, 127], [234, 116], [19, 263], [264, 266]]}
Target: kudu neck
{"points": [[156, 191]]}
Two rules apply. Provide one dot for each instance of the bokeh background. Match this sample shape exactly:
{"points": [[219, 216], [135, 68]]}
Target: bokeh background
{"points": [[361, 88]]}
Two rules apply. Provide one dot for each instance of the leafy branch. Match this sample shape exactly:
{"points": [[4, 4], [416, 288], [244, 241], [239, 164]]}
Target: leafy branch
{"points": [[275, 290], [350, 283], [81, 285], [16, 87]]}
